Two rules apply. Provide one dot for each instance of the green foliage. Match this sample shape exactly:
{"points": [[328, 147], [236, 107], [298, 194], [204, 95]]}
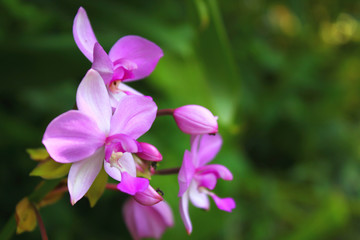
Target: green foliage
{"points": [[283, 77]]}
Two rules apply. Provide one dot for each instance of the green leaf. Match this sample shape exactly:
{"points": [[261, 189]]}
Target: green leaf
{"points": [[97, 188], [38, 154], [50, 169]]}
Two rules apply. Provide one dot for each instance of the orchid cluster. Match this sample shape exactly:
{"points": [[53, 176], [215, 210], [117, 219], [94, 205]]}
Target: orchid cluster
{"points": [[102, 134]]}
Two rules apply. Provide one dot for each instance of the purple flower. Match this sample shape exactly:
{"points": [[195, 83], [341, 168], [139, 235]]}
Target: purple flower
{"points": [[196, 178], [147, 221], [195, 119], [87, 136], [131, 58]]}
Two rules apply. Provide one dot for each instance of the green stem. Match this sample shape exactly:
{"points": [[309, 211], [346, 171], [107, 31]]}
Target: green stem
{"points": [[39, 193]]}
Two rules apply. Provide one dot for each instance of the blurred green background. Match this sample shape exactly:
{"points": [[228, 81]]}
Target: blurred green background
{"points": [[283, 77]]}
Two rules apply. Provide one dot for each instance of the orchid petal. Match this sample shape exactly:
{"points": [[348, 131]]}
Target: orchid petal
{"points": [[82, 174], [142, 52], [218, 170], [184, 212], [225, 204], [147, 221], [186, 173], [72, 136], [113, 172], [209, 146], [127, 164], [148, 197], [131, 185], [207, 180], [102, 63], [83, 34], [133, 116], [199, 199], [92, 99]]}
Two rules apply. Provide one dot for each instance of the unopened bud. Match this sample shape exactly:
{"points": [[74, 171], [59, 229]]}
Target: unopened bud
{"points": [[149, 152], [148, 197], [195, 119]]}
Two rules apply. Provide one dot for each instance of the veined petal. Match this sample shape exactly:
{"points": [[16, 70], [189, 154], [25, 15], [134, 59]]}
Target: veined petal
{"points": [[199, 199], [132, 185], [83, 34], [209, 146], [184, 212], [133, 116], [72, 136], [186, 173], [225, 204], [102, 63], [142, 52], [82, 174], [92, 99], [218, 170]]}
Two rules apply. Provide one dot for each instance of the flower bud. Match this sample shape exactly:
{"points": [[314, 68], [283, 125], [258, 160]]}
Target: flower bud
{"points": [[147, 221], [148, 197], [195, 119], [149, 152]]}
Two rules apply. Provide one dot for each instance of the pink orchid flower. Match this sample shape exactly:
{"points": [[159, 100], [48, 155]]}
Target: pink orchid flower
{"points": [[87, 136], [131, 58], [147, 221], [196, 178]]}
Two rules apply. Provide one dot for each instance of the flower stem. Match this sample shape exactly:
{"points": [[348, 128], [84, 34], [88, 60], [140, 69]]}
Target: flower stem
{"points": [[112, 186], [168, 171], [163, 112], [41, 224]]}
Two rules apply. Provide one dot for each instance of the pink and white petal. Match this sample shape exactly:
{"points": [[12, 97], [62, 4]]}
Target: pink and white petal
{"points": [[130, 91], [225, 204], [132, 185], [198, 199], [218, 170], [102, 63], [186, 173], [113, 172], [184, 212], [207, 180], [150, 222], [92, 99], [83, 34], [133, 116], [72, 136], [82, 174], [144, 53], [148, 197], [129, 217], [127, 164], [209, 146], [165, 211]]}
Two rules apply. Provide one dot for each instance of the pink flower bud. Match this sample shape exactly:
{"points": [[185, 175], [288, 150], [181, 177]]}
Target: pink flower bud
{"points": [[148, 197], [195, 119], [149, 152], [147, 221]]}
